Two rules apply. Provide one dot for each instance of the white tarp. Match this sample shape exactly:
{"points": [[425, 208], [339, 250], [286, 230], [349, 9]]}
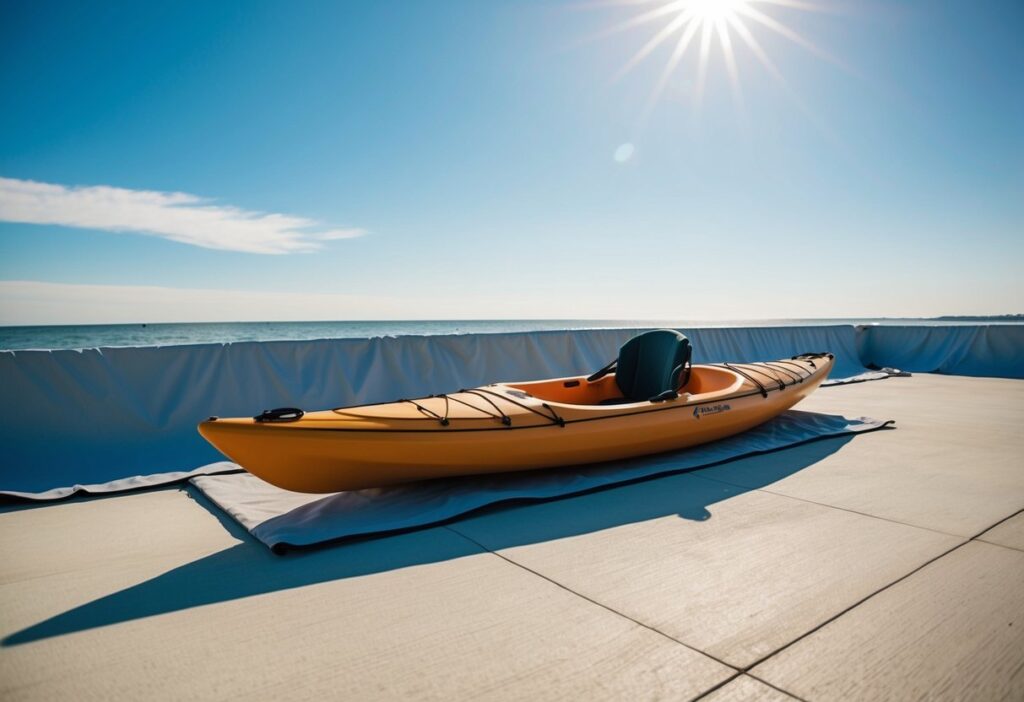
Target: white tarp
{"points": [[280, 518], [110, 419]]}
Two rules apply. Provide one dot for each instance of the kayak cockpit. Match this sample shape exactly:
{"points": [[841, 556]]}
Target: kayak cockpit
{"points": [[704, 380]]}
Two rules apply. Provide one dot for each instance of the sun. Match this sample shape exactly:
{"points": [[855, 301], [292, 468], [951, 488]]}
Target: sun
{"points": [[709, 26], [711, 11]]}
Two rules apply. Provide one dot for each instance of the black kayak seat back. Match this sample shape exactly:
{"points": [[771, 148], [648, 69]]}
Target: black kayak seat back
{"points": [[650, 366]]}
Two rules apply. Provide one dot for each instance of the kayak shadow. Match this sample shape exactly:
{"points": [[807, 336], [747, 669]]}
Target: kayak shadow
{"points": [[687, 495], [249, 568]]}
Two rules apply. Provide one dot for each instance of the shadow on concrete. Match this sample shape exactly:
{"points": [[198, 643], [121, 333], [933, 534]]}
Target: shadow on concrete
{"points": [[249, 568]]}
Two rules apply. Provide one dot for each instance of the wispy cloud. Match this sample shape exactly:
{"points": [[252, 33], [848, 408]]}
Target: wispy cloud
{"points": [[181, 217]]}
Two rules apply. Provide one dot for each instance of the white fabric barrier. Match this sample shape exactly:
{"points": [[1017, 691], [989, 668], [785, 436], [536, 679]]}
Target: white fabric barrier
{"points": [[90, 420], [984, 350], [281, 519]]}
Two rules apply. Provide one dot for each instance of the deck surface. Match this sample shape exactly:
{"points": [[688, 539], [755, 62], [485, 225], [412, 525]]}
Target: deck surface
{"points": [[886, 566]]}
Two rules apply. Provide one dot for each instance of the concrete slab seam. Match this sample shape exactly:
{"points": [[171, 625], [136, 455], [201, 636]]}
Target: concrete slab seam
{"points": [[880, 590], [823, 504], [591, 600]]}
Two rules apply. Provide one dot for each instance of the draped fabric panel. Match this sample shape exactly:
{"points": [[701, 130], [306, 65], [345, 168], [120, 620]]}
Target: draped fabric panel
{"points": [[109, 419]]}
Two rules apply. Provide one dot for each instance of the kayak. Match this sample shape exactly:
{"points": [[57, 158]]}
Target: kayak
{"points": [[509, 426]]}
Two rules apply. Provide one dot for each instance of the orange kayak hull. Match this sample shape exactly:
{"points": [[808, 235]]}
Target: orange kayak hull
{"points": [[509, 427]]}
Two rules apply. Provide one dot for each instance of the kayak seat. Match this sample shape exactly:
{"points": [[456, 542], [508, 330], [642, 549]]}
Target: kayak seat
{"points": [[650, 367]]}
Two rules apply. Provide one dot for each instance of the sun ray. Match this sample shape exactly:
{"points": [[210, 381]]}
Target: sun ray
{"points": [[795, 5], [651, 45], [755, 47], [730, 59], [609, 3], [643, 18], [685, 39], [748, 38], [783, 30], [717, 21], [702, 69]]}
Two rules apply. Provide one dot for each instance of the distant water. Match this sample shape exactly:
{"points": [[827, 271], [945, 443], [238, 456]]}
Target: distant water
{"points": [[107, 335]]}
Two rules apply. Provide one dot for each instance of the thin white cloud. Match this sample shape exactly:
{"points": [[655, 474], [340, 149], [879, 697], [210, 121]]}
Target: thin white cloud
{"points": [[181, 217]]}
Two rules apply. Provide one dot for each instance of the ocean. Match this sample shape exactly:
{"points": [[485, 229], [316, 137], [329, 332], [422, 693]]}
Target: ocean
{"points": [[172, 334]]}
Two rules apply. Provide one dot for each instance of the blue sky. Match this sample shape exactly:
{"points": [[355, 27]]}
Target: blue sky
{"points": [[457, 160]]}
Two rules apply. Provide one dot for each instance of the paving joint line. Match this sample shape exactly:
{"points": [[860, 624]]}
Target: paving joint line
{"points": [[1001, 521], [823, 504], [865, 514], [745, 670], [718, 686], [738, 672], [858, 603], [774, 686], [882, 589], [593, 601], [992, 543], [744, 673]]}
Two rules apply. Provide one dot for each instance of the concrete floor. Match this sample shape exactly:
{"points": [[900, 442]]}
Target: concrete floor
{"points": [[886, 566]]}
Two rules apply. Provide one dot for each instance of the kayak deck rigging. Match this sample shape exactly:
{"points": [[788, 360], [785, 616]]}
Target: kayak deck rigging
{"points": [[651, 399], [483, 393]]}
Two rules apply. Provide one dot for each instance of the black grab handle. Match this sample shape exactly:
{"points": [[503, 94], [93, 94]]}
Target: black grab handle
{"points": [[281, 414]]}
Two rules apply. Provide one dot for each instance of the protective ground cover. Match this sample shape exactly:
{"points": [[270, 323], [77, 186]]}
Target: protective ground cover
{"points": [[280, 518], [105, 420]]}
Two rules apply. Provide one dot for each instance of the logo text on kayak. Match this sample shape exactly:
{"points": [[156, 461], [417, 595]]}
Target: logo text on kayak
{"points": [[702, 410]]}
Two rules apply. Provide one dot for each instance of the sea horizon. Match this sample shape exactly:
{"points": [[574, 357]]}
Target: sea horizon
{"points": [[80, 336]]}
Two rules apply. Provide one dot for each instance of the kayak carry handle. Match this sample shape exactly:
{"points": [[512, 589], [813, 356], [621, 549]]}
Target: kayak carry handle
{"points": [[603, 372], [280, 414], [809, 357], [667, 395]]}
